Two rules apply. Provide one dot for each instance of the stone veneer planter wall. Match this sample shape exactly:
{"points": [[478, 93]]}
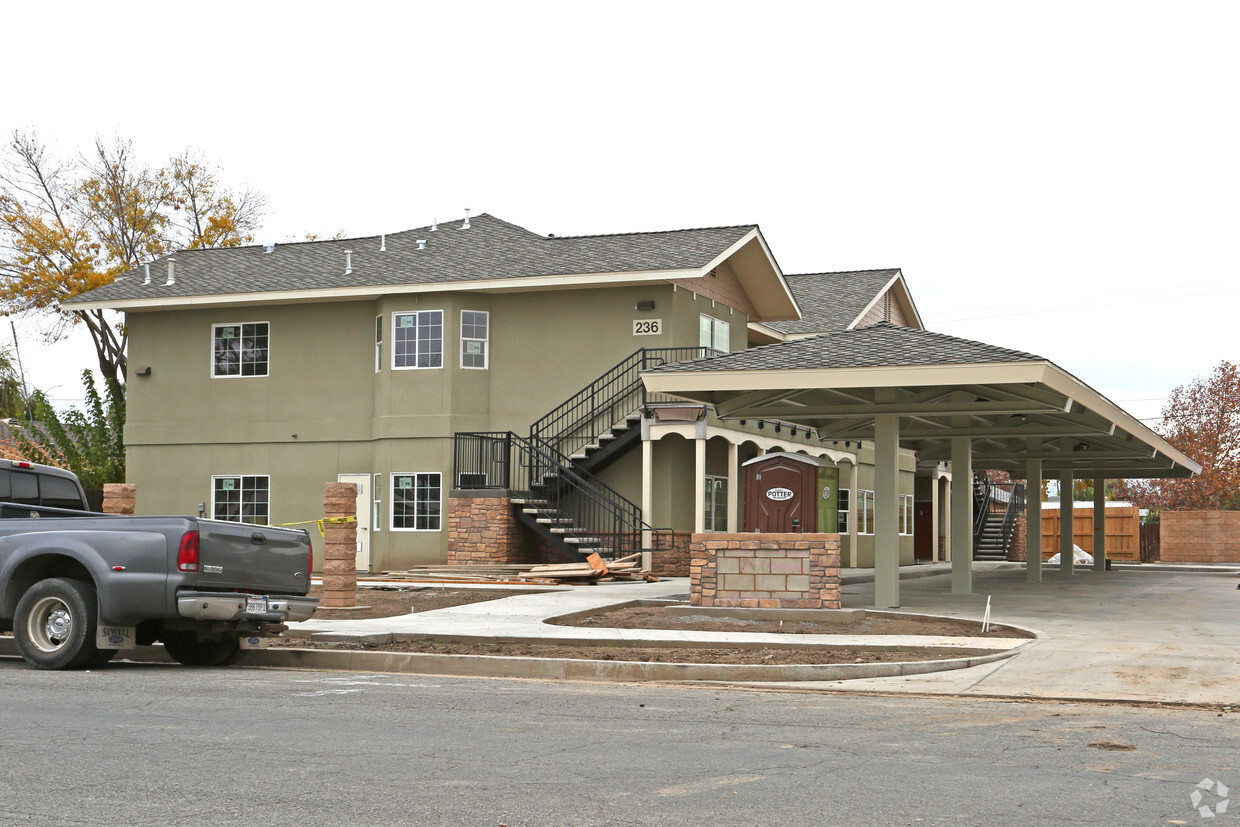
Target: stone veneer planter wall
{"points": [[767, 571]]}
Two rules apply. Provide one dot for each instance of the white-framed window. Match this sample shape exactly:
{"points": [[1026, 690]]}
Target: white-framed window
{"points": [[416, 501], [713, 332], [716, 511], [417, 340], [845, 511], [378, 343], [906, 514], [241, 499], [475, 338], [240, 349], [865, 511], [377, 518]]}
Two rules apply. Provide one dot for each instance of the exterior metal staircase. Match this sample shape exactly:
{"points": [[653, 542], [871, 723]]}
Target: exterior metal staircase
{"points": [[551, 472], [996, 507]]}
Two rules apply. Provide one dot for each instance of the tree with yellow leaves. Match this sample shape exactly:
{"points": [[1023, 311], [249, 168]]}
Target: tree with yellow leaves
{"points": [[69, 226]]}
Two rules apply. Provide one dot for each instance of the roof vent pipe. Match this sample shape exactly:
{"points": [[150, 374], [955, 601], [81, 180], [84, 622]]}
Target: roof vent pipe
{"points": [[147, 269], [172, 272], [269, 248], [434, 225], [421, 243], [383, 243], [465, 226], [348, 262]]}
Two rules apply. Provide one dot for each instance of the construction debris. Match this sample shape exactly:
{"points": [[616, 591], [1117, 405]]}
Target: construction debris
{"points": [[594, 570]]}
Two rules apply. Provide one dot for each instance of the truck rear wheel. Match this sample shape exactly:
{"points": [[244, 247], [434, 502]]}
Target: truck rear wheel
{"points": [[54, 626], [189, 650]]}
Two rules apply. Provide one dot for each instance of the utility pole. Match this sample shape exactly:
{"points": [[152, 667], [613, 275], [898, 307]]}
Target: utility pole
{"points": [[21, 372]]}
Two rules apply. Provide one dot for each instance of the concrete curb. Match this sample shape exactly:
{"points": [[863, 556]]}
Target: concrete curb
{"points": [[493, 666]]}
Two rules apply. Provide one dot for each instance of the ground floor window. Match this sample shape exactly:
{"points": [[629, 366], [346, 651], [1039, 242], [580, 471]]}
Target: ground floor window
{"points": [[906, 514], [377, 519], [716, 504], [416, 501], [241, 499], [845, 512], [865, 511]]}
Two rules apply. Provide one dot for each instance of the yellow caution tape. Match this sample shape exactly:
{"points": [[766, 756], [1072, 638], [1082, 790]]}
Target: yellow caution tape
{"points": [[319, 523]]}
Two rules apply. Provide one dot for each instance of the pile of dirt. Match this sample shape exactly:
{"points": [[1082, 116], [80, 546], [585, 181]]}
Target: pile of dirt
{"points": [[654, 617]]}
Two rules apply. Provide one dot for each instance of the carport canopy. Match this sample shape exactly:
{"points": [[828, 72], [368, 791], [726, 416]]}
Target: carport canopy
{"points": [[977, 405]]}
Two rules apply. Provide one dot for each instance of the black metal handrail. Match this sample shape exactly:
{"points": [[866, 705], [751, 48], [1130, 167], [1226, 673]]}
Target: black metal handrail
{"points": [[598, 516], [612, 397], [982, 488]]}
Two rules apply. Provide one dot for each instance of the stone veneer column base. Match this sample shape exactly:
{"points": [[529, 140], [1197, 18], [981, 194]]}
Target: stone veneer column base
{"points": [[340, 545], [483, 530], [765, 571]]}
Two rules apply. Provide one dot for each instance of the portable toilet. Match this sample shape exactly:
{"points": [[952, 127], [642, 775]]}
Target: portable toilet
{"points": [[783, 494]]}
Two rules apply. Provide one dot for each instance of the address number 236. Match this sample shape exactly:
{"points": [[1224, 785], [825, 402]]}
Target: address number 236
{"points": [[647, 327]]}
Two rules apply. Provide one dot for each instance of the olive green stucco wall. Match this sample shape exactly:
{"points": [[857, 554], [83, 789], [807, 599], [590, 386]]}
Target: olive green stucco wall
{"points": [[324, 410]]}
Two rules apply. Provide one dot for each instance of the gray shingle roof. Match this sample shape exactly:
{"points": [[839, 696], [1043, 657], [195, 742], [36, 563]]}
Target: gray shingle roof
{"points": [[880, 345], [490, 249], [830, 301]]}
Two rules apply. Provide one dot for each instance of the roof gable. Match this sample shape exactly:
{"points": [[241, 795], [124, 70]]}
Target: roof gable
{"points": [[836, 301]]}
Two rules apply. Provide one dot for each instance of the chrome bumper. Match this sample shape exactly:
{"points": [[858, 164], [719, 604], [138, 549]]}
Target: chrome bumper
{"points": [[281, 608]]}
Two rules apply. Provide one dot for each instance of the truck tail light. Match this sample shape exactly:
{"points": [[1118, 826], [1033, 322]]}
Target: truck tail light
{"points": [[187, 554], [309, 561]]}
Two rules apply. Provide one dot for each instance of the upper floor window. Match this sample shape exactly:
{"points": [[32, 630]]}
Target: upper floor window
{"points": [[417, 339], [713, 333], [475, 333], [241, 499], [240, 349]]}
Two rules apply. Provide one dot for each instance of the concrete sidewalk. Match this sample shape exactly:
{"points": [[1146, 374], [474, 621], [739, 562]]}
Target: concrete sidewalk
{"points": [[1132, 635], [1151, 636]]}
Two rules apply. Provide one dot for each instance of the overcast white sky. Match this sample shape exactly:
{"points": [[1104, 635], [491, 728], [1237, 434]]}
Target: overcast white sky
{"points": [[1055, 177]]}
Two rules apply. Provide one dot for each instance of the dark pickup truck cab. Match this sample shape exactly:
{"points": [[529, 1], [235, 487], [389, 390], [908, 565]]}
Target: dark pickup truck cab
{"points": [[77, 586]]}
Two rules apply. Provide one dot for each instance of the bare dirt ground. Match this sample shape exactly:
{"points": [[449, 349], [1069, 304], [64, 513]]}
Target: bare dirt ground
{"points": [[418, 598], [390, 603], [653, 617], [647, 654]]}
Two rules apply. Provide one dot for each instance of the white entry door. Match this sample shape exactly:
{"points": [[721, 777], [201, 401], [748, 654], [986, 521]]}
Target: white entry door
{"points": [[362, 481]]}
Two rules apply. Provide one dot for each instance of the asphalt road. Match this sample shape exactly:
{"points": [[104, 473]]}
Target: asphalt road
{"points": [[153, 744]]}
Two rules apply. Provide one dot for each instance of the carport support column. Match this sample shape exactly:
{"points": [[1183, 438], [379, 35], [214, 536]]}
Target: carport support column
{"points": [[886, 510], [934, 518], [1066, 539], [1100, 524], [962, 515], [1033, 521]]}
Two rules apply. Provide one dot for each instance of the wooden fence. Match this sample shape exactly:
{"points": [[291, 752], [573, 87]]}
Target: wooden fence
{"points": [[1123, 531]]}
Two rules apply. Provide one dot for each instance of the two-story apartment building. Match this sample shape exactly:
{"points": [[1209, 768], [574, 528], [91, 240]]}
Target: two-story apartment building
{"points": [[259, 373]]}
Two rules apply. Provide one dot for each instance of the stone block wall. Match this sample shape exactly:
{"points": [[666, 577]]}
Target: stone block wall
{"points": [[119, 498], [675, 561], [483, 530], [1017, 551], [340, 545], [765, 571], [1200, 536]]}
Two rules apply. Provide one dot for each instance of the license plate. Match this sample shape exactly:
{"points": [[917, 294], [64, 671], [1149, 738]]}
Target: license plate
{"points": [[256, 605]]}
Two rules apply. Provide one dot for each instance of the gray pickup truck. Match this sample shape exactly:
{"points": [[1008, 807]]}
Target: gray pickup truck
{"points": [[77, 586]]}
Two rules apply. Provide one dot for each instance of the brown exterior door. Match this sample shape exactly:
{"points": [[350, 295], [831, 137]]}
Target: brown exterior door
{"points": [[781, 496], [923, 527]]}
